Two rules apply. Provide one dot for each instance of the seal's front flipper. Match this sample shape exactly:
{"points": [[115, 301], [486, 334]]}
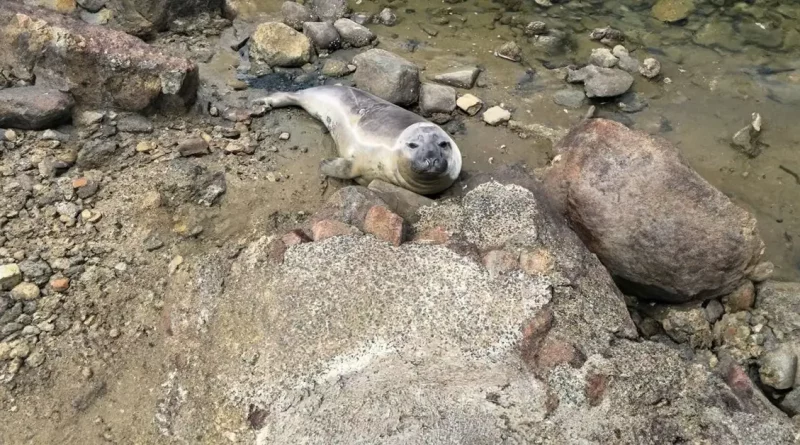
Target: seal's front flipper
{"points": [[338, 168]]}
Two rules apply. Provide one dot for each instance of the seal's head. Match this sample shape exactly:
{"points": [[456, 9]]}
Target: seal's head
{"points": [[428, 154]]}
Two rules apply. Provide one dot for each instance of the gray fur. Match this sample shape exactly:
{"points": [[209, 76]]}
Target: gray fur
{"points": [[377, 139]]}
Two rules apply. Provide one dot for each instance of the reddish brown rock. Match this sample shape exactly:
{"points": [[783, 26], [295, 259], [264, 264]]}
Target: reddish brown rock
{"points": [[59, 284], [296, 236], [99, 66], [554, 352], [738, 381], [663, 231], [328, 228], [498, 262], [533, 334], [79, 182], [384, 224], [596, 388], [348, 205], [275, 251]]}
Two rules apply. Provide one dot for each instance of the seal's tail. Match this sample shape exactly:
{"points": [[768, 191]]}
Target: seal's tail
{"points": [[278, 100]]}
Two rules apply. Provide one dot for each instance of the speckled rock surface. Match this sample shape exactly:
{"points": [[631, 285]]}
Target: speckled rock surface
{"points": [[365, 341]]}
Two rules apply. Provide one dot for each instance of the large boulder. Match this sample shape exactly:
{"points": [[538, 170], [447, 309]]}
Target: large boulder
{"points": [[659, 227], [361, 341], [387, 76], [34, 108], [276, 44], [140, 17], [100, 67]]}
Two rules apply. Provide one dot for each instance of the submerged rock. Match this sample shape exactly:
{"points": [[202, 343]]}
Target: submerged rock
{"points": [[570, 98], [34, 108], [747, 140], [719, 34], [535, 28], [387, 17], [672, 10], [603, 57], [626, 62], [660, 228], [650, 68], [509, 51]]}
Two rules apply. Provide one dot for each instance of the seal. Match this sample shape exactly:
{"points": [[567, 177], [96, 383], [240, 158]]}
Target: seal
{"points": [[377, 139]]}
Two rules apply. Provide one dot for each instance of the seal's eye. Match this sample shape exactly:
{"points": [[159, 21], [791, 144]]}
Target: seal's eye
{"points": [[444, 144], [413, 145]]}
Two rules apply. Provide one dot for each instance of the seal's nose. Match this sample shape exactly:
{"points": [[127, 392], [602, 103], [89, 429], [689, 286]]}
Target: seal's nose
{"points": [[437, 164]]}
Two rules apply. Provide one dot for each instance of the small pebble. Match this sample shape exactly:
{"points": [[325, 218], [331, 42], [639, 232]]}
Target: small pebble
{"points": [[145, 147], [59, 284], [174, 264]]}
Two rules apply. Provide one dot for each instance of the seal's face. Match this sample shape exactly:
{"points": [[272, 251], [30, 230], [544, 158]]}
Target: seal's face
{"points": [[427, 149]]}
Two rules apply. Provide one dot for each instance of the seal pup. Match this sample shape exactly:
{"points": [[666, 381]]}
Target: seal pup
{"points": [[377, 139]]}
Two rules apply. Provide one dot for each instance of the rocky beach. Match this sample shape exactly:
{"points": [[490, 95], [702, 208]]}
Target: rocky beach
{"points": [[617, 262]]}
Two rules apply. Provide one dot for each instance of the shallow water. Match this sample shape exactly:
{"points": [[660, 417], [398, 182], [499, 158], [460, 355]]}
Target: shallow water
{"points": [[719, 65]]}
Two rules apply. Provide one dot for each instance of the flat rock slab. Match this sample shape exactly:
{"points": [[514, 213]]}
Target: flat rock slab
{"points": [[34, 108], [463, 77], [100, 67]]}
